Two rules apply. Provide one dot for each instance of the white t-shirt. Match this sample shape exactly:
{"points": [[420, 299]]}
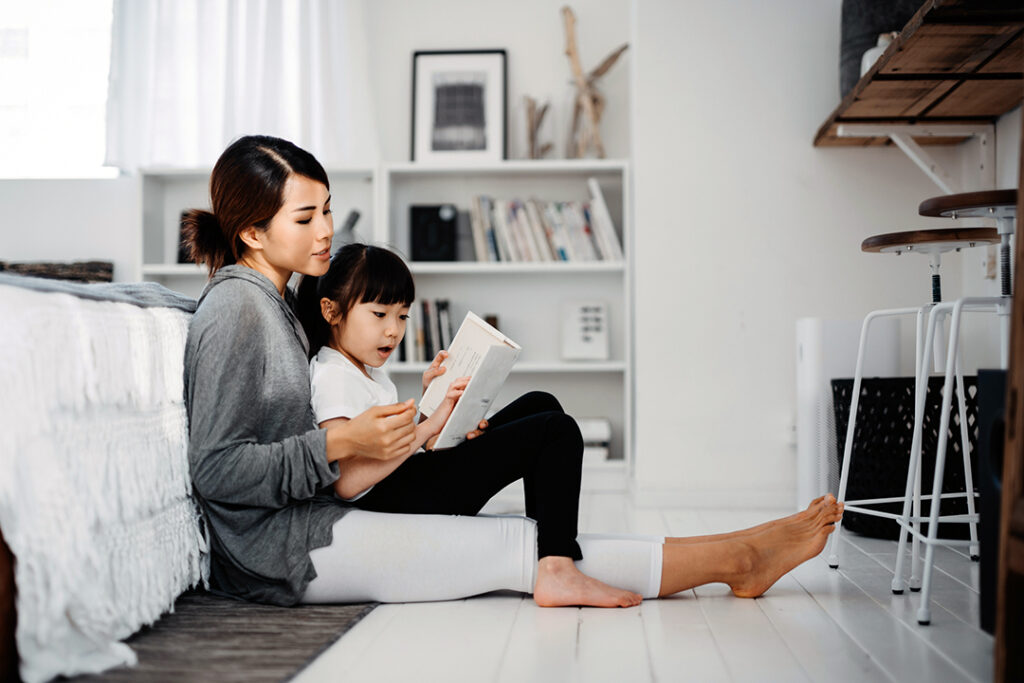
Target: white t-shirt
{"points": [[339, 389]]}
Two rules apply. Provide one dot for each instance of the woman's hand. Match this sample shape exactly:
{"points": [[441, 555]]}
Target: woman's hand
{"points": [[435, 369], [382, 432], [478, 431]]}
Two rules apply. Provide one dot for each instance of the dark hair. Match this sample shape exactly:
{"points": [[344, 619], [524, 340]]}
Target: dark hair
{"points": [[358, 273], [246, 188]]}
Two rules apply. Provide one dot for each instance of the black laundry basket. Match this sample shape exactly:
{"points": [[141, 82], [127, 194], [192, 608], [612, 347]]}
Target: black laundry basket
{"points": [[881, 449]]}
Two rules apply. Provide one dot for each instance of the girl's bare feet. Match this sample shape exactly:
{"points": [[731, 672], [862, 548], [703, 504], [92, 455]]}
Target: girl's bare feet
{"points": [[560, 584], [784, 545]]}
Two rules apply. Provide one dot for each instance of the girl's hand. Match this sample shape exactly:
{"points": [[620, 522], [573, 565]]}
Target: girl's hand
{"points": [[456, 389], [478, 431], [435, 369]]}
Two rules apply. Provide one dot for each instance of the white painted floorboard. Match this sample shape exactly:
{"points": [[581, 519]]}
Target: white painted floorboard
{"points": [[815, 624]]}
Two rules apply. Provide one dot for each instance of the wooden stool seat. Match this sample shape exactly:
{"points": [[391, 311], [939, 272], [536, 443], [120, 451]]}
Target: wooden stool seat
{"points": [[986, 204], [930, 241]]}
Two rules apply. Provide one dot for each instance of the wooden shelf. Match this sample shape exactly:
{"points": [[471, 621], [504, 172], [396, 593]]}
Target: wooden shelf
{"points": [[955, 62]]}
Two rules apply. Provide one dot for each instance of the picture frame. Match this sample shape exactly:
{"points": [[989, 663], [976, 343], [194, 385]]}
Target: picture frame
{"points": [[459, 106]]}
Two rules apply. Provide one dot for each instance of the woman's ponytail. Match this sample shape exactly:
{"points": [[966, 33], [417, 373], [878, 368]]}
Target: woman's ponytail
{"points": [[307, 309], [204, 240]]}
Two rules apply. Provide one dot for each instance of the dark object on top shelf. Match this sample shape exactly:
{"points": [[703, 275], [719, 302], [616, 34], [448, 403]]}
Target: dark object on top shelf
{"points": [[861, 23], [79, 271], [432, 232], [954, 62]]}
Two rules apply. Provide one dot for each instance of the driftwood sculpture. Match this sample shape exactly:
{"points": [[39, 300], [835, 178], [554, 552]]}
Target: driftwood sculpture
{"points": [[534, 117], [589, 102]]}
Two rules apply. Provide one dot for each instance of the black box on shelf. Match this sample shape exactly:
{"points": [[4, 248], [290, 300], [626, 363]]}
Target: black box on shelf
{"points": [[432, 232]]}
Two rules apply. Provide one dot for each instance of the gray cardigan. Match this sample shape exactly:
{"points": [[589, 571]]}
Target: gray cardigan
{"points": [[259, 464]]}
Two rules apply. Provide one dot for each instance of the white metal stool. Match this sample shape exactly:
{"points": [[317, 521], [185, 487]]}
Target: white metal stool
{"points": [[1000, 205], [933, 243]]}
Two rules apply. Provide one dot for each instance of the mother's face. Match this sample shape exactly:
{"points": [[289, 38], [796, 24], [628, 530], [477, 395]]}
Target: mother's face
{"points": [[298, 238]]}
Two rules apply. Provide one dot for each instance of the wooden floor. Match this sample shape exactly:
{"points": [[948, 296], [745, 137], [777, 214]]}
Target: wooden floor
{"points": [[815, 624]]}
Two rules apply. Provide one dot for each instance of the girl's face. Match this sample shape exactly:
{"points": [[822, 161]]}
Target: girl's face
{"points": [[298, 237], [369, 333]]}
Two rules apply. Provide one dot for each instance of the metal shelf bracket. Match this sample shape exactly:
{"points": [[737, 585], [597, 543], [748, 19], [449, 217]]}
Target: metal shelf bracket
{"points": [[903, 136]]}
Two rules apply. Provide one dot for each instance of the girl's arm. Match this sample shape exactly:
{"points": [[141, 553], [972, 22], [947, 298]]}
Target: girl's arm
{"points": [[359, 473]]}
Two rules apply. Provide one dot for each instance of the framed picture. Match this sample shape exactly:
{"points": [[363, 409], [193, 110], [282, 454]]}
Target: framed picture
{"points": [[458, 106]]}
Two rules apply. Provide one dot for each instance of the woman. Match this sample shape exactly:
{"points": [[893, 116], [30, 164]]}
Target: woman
{"points": [[263, 474]]}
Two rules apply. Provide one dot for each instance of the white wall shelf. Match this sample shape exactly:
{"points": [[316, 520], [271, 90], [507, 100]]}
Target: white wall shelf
{"points": [[567, 367], [172, 269], [473, 268]]}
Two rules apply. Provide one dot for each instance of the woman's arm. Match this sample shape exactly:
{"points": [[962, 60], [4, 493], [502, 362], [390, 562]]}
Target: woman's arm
{"points": [[358, 472]]}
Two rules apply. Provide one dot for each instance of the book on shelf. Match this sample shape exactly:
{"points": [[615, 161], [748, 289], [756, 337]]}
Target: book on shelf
{"points": [[427, 332], [602, 222], [538, 231], [484, 354]]}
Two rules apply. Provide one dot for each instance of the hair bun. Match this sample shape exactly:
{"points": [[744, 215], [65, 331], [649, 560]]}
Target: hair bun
{"points": [[203, 237]]}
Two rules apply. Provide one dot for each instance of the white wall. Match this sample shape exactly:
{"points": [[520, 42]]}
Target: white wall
{"points": [[743, 227], [531, 31], [71, 220]]}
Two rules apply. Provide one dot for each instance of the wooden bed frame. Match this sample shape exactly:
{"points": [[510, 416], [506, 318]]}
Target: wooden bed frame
{"points": [[8, 615]]}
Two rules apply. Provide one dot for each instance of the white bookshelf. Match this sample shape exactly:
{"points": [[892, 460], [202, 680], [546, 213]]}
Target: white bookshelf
{"points": [[527, 296]]}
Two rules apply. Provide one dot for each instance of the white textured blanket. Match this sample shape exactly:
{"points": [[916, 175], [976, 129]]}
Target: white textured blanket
{"points": [[94, 483]]}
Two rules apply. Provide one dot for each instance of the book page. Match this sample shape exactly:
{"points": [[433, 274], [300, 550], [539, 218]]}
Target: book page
{"points": [[483, 387], [467, 351]]}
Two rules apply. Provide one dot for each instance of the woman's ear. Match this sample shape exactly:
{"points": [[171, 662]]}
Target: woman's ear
{"points": [[329, 310], [250, 237]]}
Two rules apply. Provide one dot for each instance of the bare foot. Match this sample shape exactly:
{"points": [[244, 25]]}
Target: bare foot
{"points": [[812, 510], [783, 546], [560, 584]]}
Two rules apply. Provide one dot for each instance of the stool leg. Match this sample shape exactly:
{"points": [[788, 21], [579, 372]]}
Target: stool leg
{"points": [[924, 611], [965, 447], [833, 557], [915, 542], [920, 388]]}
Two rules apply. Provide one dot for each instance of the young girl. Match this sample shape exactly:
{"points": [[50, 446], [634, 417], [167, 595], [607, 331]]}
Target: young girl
{"points": [[371, 292]]}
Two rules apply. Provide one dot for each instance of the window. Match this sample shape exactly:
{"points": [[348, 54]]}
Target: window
{"points": [[54, 62]]}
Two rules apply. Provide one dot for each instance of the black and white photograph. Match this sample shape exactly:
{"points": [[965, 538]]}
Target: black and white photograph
{"points": [[458, 106]]}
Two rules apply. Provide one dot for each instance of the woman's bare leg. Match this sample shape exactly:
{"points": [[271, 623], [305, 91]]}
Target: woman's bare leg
{"points": [[752, 562], [810, 511], [560, 584]]}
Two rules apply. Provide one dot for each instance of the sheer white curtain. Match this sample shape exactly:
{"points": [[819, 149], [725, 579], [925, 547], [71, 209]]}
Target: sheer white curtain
{"points": [[189, 76]]}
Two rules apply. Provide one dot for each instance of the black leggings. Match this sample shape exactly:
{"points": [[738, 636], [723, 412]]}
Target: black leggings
{"points": [[530, 439]]}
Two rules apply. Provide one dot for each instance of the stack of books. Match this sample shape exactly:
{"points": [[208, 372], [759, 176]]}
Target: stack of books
{"points": [[428, 330], [536, 230], [597, 436]]}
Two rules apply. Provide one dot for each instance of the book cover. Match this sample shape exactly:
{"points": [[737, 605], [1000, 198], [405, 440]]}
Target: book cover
{"points": [[603, 220], [484, 354], [554, 217], [540, 235], [477, 226], [519, 210], [501, 234]]}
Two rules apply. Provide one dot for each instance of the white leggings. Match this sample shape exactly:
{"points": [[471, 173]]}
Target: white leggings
{"points": [[386, 557]]}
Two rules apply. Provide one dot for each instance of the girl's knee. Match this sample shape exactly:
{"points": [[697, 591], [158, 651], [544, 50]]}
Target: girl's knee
{"points": [[543, 401], [566, 431]]}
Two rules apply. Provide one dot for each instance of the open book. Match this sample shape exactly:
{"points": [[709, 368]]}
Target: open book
{"points": [[484, 354]]}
